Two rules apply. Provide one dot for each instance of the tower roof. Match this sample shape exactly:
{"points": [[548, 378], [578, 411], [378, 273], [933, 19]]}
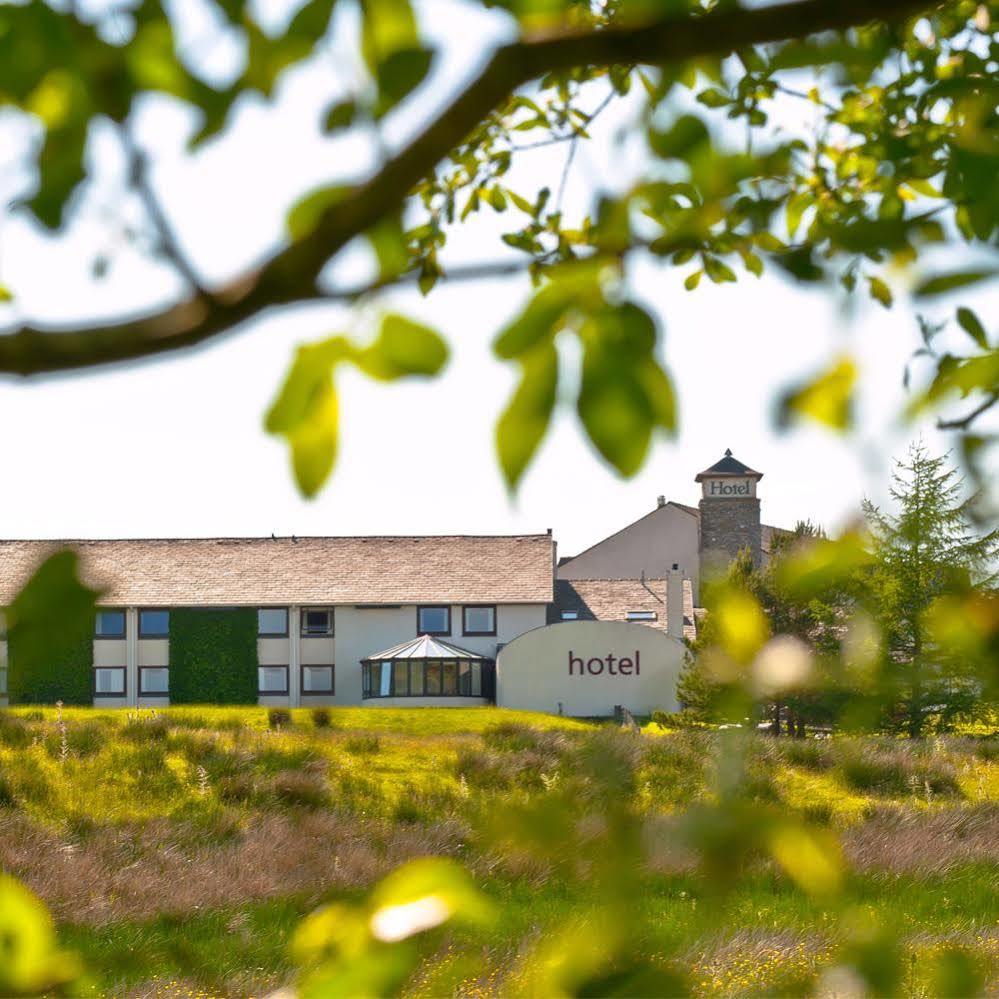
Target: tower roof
{"points": [[728, 466]]}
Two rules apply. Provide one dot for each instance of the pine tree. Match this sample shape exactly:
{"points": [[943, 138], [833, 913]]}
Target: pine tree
{"points": [[928, 548]]}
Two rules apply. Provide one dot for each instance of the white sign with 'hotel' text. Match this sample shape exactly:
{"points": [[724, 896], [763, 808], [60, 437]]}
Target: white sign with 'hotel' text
{"points": [[586, 668], [729, 488]]}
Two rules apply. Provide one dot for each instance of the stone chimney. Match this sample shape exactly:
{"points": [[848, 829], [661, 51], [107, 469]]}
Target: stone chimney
{"points": [[674, 602], [730, 514]]}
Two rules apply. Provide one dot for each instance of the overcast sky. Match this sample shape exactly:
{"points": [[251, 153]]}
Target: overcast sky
{"points": [[176, 448]]}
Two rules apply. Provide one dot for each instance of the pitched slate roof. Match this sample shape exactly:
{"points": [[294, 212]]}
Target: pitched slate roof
{"points": [[611, 599], [727, 466], [425, 647], [259, 571]]}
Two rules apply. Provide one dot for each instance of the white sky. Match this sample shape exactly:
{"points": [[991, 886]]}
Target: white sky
{"points": [[175, 447]]}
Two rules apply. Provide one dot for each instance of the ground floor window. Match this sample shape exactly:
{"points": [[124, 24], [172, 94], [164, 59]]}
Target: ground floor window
{"points": [[317, 679], [109, 681], [426, 678], [154, 680], [272, 679]]}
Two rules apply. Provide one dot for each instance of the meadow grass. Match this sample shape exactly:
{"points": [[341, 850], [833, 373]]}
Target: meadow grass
{"points": [[178, 849]]}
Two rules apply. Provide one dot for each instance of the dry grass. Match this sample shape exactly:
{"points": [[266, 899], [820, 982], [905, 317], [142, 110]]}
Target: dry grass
{"points": [[132, 873], [921, 841]]}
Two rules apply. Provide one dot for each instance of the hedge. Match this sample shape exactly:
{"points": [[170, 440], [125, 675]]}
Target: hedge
{"points": [[45, 674], [213, 655]]}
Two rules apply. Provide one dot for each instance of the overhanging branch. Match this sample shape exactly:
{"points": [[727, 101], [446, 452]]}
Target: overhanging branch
{"points": [[290, 275]]}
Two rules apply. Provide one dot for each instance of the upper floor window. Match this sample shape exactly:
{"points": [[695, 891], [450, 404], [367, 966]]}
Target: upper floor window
{"points": [[478, 619], [570, 615], [110, 624], [641, 615], [272, 621], [317, 621], [433, 620], [154, 624]]}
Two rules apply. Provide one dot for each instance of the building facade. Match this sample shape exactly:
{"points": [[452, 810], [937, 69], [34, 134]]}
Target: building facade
{"points": [[380, 620]]}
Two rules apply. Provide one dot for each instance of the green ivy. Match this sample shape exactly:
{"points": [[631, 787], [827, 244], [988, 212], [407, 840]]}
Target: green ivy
{"points": [[63, 674], [213, 655]]}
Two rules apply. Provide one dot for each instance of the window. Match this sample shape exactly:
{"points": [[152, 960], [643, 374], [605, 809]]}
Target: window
{"points": [[478, 620], [3, 681], [317, 679], [433, 620], [317, 621], [154, 624], [400, 679], [109, 681], [154, 680], [272, 621], [642, 615], [272, 679], [3, 626], [110, 624], [425, 678], [570, 615]]}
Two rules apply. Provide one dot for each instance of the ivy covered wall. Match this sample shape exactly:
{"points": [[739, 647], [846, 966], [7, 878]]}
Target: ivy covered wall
{"points": [[43, 673], [213, 655]]}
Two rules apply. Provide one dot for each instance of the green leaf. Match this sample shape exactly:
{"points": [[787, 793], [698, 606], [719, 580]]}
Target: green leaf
{"points": [[403, 348], [693, 280], [971, 324], [624, 394], [524, 423], [826, 399], [797, 205], [340, 115], [388, 240], [539, 321], [687, 136], [943, 283], [306, 411], [305, 214], [717, 270], [423, 894], [32, 962], [713, 98], [50, 611], [391, 49], [6, 295], [880, 291]]}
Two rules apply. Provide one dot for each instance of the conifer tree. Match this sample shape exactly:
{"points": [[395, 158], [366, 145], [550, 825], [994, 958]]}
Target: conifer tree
{"points": [[928, 548]]}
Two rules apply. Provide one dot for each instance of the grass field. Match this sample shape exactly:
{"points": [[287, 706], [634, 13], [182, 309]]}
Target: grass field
{"points": [[179, 850]]}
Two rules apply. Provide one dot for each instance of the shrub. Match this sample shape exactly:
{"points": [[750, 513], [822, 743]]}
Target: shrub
{"points": [[7, 796], [363, 745], [14, 731], [321, 718], [300, 789], [279, 718], [146, 728], [82, 739], [238, 789], [811, 754], [897, 772]]}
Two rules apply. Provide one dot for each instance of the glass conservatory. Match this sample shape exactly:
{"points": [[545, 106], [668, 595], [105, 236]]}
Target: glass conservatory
{"points": [[428, 667]]}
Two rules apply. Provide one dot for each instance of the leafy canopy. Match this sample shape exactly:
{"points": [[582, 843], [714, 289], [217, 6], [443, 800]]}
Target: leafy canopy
{"points": [[896, 156]]}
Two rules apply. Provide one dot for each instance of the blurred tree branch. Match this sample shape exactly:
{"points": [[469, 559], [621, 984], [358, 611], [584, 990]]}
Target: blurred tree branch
{"points": [[291, 275]]}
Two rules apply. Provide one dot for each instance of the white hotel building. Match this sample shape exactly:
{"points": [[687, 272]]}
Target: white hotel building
{"points": [[411, 620]]}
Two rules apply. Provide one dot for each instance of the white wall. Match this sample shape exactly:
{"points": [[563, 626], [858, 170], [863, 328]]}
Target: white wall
{"points": [[533, 672]]}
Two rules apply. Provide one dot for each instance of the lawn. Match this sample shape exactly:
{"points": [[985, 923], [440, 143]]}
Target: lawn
{"points": [[179, 850]]}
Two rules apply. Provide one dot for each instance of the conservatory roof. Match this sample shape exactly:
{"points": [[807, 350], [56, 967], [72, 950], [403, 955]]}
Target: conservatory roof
{"points": [[424, 647]]}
